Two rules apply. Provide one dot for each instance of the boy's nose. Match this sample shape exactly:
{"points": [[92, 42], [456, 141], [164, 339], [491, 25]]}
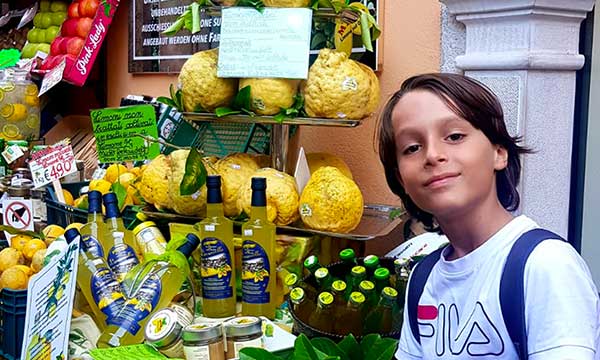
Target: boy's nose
{"points": [[435, 154]]}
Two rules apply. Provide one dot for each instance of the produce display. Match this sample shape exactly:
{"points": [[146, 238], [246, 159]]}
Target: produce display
{"points": [[269, 96], [19, 107], [46, 27]]}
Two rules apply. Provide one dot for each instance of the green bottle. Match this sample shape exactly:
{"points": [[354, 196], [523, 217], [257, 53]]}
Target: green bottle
{"points": [[382, 279], [348, 259], [368, 289], [291, 281], [324, 279], [381, 318], [358, 274], [303, 307], [311, 264], [371, 263], [353, 319], [321, 318], [338, 289]]}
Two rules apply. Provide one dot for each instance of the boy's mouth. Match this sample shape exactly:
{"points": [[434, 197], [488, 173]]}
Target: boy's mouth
{"points": [[440, 179]]}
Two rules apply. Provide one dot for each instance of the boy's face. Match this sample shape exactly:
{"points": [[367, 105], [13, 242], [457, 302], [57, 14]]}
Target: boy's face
{"points": [[446, 165]]}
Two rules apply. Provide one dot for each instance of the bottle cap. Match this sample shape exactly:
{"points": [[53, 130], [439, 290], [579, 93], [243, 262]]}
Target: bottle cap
{"points": [[339, 286], [112, 205], [347, 255], [71, 234], [297, 295], [389, 293], [259, 183], [213, 185], [401, 262], [311, 263], [382, 274], [325, 298], [321, 273], [358, 270], [94, 201], [190, 245], [366, 286], [213, 181], [291, 280], [357, 297], [141, 216], [371, 261]]}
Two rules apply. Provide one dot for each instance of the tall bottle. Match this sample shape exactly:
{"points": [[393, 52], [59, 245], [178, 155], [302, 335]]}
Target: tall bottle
{"points": [[97, 282], [156, 282], [402, 274], [368, 289], [381, 318], [353, 320], [348, 259], [121, 255], [338, 289], [311, 264], [324, 279], [323, 314], [301, 304], [94, 231], [381, 279], [217, 248], [258, 257], [358, 274]]}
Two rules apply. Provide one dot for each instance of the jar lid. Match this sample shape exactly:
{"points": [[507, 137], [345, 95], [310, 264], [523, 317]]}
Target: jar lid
{"points": [[163, 329], [243, 326], [19, 191], [202, 332], [142, 226]]}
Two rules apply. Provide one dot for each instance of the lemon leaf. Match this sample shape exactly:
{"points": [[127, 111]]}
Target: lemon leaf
{"points": [[195, 174], [223, 111], [121, 193]]}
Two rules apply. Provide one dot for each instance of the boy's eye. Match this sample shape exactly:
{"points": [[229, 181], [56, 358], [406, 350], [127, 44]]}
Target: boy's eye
{"points": [[411, 149], [455, 137]]}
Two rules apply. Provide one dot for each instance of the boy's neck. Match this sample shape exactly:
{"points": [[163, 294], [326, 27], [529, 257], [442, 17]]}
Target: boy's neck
{"points": [[466, 232]]}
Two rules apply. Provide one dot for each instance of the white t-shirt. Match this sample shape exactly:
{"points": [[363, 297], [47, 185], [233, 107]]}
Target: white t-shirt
{"points": [[459, 312]]}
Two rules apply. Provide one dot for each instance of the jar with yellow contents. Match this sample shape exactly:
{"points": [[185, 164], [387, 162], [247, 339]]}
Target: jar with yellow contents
{"points": [[19, 106]]}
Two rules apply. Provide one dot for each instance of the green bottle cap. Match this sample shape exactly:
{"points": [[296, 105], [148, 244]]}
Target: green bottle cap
{"points": [[311, 263], [358, 270], [321, 273], [339, 286], [382, 274], [371, 261], [366, 286], [291, 280], [347, 255], [325, 298], [357, 298], [389, 293], [297, 295]]}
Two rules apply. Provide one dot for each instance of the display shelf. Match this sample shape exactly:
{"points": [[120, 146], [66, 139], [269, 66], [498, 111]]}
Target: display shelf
{"points": [[241, 118], [322, 13]]}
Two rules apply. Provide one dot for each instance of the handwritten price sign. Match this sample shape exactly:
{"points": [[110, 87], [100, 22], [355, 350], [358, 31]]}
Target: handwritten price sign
{"points": [[52, 163]]}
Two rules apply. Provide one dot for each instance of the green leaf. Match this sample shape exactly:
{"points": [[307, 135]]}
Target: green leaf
{"points": [[167, 101], [257, 4], [350, 346], [395, 213], [365, 31], [303, 350], [257, 354], [242, 99], [280, 117], [175, 26], [368, 341], [195, 9], [120, 191], [383, 349], [195, 174], [317, 40], [223, 111], [199, 108], [329, 347], [11, 230]]}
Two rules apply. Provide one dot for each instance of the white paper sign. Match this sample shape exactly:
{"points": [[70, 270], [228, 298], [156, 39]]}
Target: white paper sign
{"points": [[12, 153], [52, 163], [17, 213], [271, 44], [302, 173], [50, 306], [53, 77]]}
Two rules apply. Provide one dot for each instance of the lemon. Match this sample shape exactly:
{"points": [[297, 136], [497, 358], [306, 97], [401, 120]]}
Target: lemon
{"points": [[126, 179], [114, 171], [51, 232], [100, 185], [10, 257], [31, 247], [11, 131], [26, 269], [1, 95], [82, 202], [33, 121], [75, 225], [31, 90], [68, 197], [8, 87], [37, 262], [14, 278], [32, 100], [19, 241], [14, 112]]}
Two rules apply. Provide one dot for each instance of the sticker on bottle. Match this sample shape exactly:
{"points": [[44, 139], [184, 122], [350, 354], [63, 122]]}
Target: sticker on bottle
{"points": [[106, 292], [216, 270], [141, 305], [255, 273], [209, 227], [121, 258], [93, 246]]}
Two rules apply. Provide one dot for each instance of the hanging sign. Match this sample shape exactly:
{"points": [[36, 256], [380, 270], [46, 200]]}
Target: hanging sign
{"points": [[52, 163]]}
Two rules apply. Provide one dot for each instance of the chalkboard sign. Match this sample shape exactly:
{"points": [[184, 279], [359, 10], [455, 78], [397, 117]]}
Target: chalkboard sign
{"points": [[153, 52], [115, 130]]}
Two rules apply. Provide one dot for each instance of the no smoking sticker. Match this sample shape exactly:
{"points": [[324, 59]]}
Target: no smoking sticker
{"points": [[18, 214]]}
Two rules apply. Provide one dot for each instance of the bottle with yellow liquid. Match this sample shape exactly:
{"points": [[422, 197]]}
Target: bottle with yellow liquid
{"points": [[155, 283], [217, 259], [258, 257], [94, 231], [121, 254], [97, 282]]}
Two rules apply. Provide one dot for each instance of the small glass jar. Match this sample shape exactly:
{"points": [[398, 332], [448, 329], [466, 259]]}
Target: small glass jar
{"points": [[164, 331], [149, 238], [21, 191], [241, 332], [204, 341]]}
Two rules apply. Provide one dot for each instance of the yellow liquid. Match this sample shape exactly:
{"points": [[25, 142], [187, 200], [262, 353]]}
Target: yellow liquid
{"points": [[217, 263], [114, 225], [95, 228], [155, 285], [259, 265]]}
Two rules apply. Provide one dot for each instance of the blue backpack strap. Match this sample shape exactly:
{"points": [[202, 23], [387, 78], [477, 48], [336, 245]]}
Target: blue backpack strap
{"points": [[512, 286], [416, 285]]}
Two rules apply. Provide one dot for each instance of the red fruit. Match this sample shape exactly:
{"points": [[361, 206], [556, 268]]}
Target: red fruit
{"points": [[55, 46], [73, 11], [70, 61], [88, 8], [84, 25], [69, 27], [62, 46], [46, 63], [75, 45]]}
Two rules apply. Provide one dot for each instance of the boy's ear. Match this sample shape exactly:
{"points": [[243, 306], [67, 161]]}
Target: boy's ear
{"points": [[501, 161]]}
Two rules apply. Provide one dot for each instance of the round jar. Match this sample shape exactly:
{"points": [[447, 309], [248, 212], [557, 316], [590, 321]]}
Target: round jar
{"points": [[20, 192], [241, 332], [204, 341], [164, 331]]}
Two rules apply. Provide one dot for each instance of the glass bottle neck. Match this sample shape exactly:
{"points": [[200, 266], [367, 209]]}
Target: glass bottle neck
{"points": [[258, 212], [214, 210]]}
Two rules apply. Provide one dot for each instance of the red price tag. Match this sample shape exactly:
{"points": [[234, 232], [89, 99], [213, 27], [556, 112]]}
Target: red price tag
{"points": [[54, 163]]}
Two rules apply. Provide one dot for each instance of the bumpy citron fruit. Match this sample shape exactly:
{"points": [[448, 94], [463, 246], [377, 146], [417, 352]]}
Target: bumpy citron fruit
{"points": [[31, 247], [10, 257], [19, 241], [14, 278]]}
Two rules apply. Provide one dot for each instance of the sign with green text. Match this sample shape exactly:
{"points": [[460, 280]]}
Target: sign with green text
{"points": [[117, 129]]}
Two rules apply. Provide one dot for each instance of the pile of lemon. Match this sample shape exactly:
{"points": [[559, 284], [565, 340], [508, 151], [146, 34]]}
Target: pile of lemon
{"points": [[25, 257]]}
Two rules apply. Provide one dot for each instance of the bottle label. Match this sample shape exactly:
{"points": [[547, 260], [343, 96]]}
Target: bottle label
{"points": [[255, 273], [106, 292], [93, 246], [121, 259], [141, 305], [216, 270], [197, 352]]}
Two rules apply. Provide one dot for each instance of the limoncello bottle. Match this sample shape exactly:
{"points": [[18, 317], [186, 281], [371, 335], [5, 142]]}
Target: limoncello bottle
{"points": [[217, 266], [94, 232], [97, 282], [121, 254], [258, 257], [155, 283]]}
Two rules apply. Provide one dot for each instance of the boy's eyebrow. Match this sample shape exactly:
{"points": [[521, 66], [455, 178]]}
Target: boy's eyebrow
{"points": [[412, 130]]}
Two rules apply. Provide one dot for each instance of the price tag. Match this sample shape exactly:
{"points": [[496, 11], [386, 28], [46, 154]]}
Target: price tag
{"points": [[53, 77], [52, 163], [12, 153], [209, 228]]}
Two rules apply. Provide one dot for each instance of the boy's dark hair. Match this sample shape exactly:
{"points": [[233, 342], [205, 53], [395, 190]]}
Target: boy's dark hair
{"points": [[473, 102]]}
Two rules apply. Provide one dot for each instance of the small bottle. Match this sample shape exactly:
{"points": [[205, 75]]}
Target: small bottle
{"points": [[94, 230], [381, 318], [402, 274], [381, 279], [98, 283], [368, 289], [301, 305], [321, 318], [348, 259], [338, 289], [353, 320], [140, 217], [291, 281], [217, 260], [371, 263], [258, 257], [159, 282], [357, 275], [324, 279], [311, 264], [121, 255]]}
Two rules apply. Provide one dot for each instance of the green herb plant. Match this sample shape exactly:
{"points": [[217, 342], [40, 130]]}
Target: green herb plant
{"points": [[371, 347]]}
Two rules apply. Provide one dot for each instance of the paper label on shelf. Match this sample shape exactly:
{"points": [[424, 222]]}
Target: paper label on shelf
{"points": [[117, 129], [271, 44], [53, 77], [12, 153], [302, 172], [50, 306], [52, 163]]}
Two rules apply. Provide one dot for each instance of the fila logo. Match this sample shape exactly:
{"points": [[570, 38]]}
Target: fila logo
{"points": [[474, 336]]}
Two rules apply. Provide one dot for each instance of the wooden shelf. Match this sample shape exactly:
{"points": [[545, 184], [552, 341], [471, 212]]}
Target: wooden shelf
{"points": [[210, 117]]}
